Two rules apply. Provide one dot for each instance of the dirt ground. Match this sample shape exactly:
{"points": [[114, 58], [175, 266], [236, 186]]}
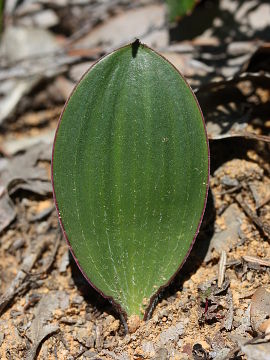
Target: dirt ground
{"points": [[218, 306]]}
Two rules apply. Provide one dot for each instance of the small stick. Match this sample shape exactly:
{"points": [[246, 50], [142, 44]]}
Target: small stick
{"points": [[222, 268], [231, 190], [256, 260], [264, 227], [259, 337], [229, 317]]}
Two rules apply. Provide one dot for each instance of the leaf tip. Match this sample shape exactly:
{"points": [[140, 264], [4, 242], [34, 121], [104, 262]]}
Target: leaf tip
{"points": [[134, 47]]}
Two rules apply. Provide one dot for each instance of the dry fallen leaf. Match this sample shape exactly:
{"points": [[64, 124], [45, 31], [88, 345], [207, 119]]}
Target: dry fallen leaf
{"points": [[260, 308], [40, 327]]}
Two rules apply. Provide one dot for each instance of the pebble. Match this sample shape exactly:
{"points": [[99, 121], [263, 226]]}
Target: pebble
{"points": [[172, 333], [161, 354], [205, 345], [114, 326], [18, 244], [15, 313], [88, 316], [249, 275], [180, 343], [222, 354], [43, 227], [82, 335], [68, 320], [265, 327], [45, 18], [163, 313], [77, 300], [148, 347], [64, 262], [133, 323], [90, 354], [226, 180], [58, 314]]}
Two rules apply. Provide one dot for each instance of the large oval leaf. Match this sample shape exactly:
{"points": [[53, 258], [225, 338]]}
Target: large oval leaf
{"points": [[130, 174]]}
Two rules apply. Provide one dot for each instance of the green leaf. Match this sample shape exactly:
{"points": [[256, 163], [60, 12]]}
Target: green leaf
{"points": [[130, 173], [179, 8]]}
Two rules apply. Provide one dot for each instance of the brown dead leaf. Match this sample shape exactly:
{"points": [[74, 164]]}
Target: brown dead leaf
{"points": [[255, 351], [260, 307], [228, 238], [41, 326], [22, 171]]}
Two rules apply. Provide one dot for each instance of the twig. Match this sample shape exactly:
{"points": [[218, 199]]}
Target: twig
{"points": [[222, 268], [244, 134], [229, 316], [231, 190], [256, 260], [264, 227], [259, 337], [233, 263], [52, 67]]}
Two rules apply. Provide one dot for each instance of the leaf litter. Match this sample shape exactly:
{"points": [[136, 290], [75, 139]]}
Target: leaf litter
{"points": [[217, 307]]}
